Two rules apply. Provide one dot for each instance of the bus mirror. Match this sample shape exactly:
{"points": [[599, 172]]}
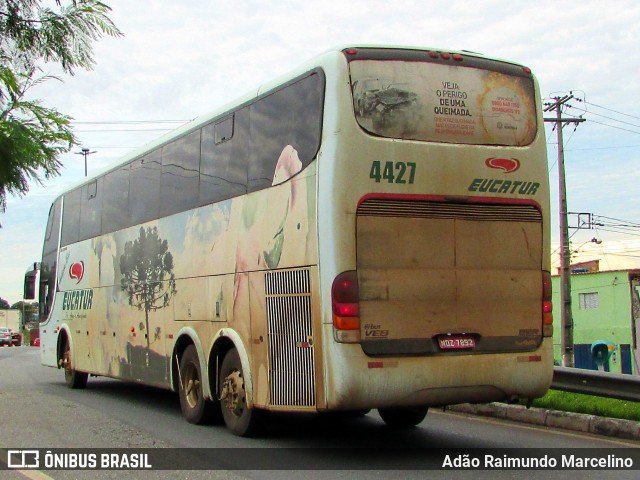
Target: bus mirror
{"points": [[30, 285]]}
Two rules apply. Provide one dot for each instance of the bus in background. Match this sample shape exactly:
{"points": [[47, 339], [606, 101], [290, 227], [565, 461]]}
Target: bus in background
{"points": [[369, 231]]}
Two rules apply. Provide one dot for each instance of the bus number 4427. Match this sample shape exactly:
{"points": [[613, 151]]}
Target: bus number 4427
{"points": [[393, 172]]}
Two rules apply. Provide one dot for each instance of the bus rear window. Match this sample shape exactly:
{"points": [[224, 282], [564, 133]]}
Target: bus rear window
{"points": [[443, 103]]}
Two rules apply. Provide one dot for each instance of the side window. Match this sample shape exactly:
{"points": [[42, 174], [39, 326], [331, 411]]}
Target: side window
{"points": [[589, 301], [49, 259], [287, 124], [91, 210], [268, 116], [53, 228], [225, 156], [71, 217], [305, 125], [180, 172], [223, 130], [144, 188], [115, 206]]}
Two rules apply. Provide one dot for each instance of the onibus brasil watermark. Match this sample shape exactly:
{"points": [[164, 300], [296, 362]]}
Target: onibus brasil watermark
{"points": [[34, 459]]}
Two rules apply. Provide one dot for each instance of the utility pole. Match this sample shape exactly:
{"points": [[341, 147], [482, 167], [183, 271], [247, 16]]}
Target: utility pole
{"points": [[565, 252], [85, 152]]}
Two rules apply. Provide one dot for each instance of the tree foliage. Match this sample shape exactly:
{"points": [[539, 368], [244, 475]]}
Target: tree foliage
{"points": [[4, 305], [29, 310], [32, 136]]}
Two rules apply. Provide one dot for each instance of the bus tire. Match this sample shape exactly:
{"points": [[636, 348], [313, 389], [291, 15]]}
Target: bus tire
{"points": [[73, 378], [403, 417], [195, 407], [239, 418]]}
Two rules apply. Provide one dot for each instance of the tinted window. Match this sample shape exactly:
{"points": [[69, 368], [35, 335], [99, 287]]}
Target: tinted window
{"points": [[256, 146], [179, 182], [53, 229], [223, 130], [144, 188], [49, 256], [71, 217], [91, 210], [306, 121], [223, 171], [115, 209], [291, 117]]}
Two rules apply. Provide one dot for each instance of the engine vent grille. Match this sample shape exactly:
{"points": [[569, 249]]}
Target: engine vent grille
{"points": [[290, 334]]}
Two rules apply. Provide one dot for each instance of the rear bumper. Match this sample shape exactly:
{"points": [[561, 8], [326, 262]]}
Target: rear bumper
{"points": [[355, 380]]}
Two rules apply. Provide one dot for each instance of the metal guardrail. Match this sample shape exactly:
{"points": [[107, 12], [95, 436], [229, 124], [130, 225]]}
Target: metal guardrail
{"points": [[591, 382]]}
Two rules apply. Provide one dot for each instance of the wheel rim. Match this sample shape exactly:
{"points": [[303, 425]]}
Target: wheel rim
{"points": [[191, 385], [233, 393], [66, 361]]}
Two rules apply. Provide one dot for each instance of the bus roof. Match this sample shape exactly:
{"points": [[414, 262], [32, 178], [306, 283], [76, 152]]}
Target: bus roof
{"points": [[320, 60]]}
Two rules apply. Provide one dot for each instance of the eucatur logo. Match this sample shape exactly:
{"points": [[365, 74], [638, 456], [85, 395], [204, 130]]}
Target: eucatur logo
{"points": [[76, 271], [507, 164]]}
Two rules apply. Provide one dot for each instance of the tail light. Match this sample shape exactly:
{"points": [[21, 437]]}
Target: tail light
{"points": [[346, 307], [547, 306]]}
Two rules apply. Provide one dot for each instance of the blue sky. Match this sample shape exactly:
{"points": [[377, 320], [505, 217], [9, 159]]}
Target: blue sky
{"points": [[178, 60]]}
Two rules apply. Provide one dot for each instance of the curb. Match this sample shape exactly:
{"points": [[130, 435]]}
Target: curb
{"points": [[611, 427]]}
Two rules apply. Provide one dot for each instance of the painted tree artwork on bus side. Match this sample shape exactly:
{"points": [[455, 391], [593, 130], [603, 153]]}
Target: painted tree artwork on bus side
{"points": [[147, 278], [147, 273], [150, 280]]}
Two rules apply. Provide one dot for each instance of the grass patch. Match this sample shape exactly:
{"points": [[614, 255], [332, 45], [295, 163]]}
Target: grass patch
{"points": [[589, 404]]}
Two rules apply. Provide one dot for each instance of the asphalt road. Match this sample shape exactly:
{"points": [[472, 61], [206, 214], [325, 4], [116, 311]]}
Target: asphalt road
{"points": [[39, 411]]}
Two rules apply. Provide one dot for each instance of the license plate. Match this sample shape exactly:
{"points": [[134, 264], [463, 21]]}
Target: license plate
{"points": [[456, 342]]}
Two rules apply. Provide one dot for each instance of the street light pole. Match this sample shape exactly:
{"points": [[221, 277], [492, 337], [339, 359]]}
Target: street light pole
{"points": [[85, 152]]}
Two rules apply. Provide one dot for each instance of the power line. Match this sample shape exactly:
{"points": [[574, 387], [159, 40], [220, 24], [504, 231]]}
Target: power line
{"points": [[118, 148], [606, 224], [622, 232], [613, 126], [606, 116], [591, 220], [126, 130], [623, 255], [128, 122], [609, 109], [602, 148], [591, 112], [622, 223]]}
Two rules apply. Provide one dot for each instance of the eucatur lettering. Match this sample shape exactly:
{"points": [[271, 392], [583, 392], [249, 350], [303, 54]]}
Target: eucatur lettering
{"points": [[77, 300], [487, 185]]}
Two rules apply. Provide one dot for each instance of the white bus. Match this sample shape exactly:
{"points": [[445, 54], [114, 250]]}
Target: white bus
{"points": [[370, 231]]}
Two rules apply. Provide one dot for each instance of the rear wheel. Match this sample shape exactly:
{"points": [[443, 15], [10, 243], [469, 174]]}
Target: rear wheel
{"points": [[72, 377], [403, 417], [195, 407], [241, 419]]}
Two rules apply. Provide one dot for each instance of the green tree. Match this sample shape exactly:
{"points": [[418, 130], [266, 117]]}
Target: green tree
{"points": [[32, 136], [147, 274], [4, 305], [28, 307]]}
